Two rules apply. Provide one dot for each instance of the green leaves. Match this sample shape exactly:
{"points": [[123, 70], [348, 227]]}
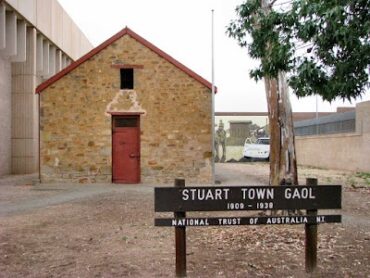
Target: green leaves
{"points": [[324, 45], [268, 43]]}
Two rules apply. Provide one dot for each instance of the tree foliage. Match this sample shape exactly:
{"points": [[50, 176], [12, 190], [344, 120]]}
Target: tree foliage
{"points": [[323, 45]]}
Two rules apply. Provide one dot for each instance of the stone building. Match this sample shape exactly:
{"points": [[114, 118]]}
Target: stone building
{"points": [[126, 112]]}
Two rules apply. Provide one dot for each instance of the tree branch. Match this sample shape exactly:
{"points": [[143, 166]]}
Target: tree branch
{"points": [[272, 3]]}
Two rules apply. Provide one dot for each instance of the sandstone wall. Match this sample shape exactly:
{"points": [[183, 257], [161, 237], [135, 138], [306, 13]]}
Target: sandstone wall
{"points": [[76, 136]]}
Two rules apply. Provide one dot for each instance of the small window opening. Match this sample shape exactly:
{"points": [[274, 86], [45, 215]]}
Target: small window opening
{"points": [[127, 78], [126, 122]]}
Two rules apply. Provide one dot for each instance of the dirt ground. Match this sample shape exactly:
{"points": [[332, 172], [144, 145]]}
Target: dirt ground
{"points": [[105, 230]]}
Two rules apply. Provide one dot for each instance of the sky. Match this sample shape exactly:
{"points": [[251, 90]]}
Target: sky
{"points": [[183, 29]]}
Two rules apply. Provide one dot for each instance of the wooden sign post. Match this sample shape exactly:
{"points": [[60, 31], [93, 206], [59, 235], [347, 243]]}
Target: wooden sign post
{"points": [[311, 197], [311, 237], [180, 238]]}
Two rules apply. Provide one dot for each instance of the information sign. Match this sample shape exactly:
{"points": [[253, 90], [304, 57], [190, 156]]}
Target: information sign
{"points": [[232, 198]]}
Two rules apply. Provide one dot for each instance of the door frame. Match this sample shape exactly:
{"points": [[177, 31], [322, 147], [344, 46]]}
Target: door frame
{"points": [[126, 115]]}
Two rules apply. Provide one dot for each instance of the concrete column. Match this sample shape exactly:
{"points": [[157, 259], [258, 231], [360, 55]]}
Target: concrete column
{"points": [[5, 116], [40, 55], [52, 56], [21, 42], [2, 26], [25, 110], [11, 34], [64, 61], [45, 57], [58, 61]]}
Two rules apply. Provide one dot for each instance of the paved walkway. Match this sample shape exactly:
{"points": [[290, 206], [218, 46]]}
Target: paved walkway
{"points": [[19, 193]]}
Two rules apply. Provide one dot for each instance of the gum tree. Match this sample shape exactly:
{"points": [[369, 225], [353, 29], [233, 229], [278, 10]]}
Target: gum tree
{"points": [[322, 46]]}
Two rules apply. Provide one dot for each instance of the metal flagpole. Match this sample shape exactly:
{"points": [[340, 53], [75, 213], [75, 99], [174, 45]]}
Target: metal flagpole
{"points": [[213, 103]]}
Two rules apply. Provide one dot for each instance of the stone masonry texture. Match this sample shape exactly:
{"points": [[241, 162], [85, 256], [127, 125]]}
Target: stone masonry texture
{"points": [[76, 130]]}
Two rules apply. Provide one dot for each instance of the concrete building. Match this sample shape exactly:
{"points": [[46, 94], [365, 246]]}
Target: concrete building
{"points": [[343, 151], [126, 112], [37, 39]]}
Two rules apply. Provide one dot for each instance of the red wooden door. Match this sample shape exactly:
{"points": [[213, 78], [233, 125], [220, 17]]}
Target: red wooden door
{"points": [[126, 150]]}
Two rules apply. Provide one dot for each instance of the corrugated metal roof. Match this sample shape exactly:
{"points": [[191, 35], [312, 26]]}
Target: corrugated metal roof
{"points": [[338, 117]]}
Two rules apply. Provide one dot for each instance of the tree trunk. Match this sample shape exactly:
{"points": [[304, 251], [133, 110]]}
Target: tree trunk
{"points": [[283, 165], [271, 88]]}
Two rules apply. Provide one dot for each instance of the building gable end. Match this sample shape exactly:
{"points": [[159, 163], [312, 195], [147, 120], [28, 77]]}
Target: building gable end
{"points": [[141, 40]]}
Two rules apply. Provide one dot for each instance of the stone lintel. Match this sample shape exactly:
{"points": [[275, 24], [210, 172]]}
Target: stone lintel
{"points": [[127, 66], [129, 113]]}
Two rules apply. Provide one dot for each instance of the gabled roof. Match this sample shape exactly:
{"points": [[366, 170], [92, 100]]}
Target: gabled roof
{"points": [[124, 32]]}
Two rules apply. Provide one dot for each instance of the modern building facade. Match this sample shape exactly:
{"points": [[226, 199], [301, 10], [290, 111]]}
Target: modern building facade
{"points": [[37, 40]]}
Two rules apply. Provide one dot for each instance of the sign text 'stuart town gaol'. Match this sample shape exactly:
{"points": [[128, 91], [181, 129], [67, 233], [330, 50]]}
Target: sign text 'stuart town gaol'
{"points": [[247, 198]]}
